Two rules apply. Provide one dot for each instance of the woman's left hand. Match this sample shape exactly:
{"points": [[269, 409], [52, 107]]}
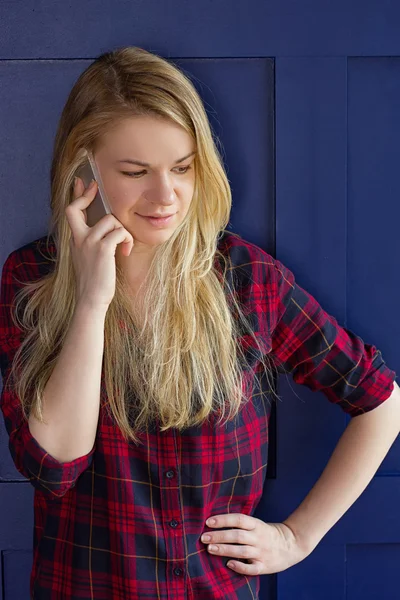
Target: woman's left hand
{"points": [[269, 547]]}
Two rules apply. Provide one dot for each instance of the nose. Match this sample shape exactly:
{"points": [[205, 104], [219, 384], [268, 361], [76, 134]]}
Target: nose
{"points": [[161, 192]]}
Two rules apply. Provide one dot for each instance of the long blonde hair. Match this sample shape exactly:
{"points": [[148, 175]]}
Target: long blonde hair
{"points": [[183, 362]]}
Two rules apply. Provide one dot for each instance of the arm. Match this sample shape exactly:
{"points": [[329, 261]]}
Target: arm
{"points": [[355, 460], [72, 394], [52, 475]]}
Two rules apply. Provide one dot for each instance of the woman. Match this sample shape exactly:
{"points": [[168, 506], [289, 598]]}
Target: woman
{"points": [[151, 346]]}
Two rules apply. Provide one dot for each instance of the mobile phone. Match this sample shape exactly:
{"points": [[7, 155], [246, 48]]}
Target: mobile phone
{"points": [[100, 206]]}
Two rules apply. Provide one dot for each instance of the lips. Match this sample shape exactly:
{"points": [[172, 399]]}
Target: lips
{"points": [[157, 221], [157, 216]]}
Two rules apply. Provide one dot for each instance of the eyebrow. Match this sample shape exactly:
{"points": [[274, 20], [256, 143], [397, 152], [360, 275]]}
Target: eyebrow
{"points": [[143, 164]]}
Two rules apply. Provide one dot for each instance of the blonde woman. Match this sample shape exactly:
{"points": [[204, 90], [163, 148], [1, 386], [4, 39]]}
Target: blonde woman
{"points": [[138, 358]]}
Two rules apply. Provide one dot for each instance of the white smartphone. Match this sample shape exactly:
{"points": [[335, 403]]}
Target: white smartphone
{"points": [[100, 206]]}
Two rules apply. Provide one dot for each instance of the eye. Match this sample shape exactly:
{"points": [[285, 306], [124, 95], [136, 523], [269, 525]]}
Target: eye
{"points": [[137, 174]]}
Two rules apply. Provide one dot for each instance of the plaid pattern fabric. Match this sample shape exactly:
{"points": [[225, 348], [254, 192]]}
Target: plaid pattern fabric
{"points": [[125, 521]]}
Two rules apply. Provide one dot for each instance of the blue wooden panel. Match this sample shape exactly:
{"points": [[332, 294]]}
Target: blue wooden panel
{"points": [[239, 98], [17, 565], [374, 209], [320, 577], [227, 28], [374, 517], [16, 516], [311, 134], [372, 571]]}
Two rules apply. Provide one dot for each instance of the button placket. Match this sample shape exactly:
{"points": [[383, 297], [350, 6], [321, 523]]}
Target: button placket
{"points": [[170, 500]]}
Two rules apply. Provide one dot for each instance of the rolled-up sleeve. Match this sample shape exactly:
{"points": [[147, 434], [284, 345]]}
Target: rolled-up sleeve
{"points": [[31, 460], [310, 344]]}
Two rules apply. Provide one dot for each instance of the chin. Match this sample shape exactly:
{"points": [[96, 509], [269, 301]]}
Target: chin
{"points": [[154, 238]]}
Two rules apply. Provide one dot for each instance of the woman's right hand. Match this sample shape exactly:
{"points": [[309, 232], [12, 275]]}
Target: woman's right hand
{"points": [[93, 249]]}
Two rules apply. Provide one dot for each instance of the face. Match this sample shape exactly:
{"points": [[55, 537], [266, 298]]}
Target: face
{"points": [[165, 187]]}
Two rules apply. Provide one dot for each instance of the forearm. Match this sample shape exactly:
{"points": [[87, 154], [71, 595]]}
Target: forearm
{"points": [[71, 398], [355, 460]]}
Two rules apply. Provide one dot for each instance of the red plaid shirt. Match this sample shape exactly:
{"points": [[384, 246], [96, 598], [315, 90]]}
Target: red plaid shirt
{"points": [[125, 521]]}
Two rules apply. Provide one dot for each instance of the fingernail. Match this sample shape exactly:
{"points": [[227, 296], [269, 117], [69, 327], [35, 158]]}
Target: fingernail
{"points": [[91, 183], [75, 180]]}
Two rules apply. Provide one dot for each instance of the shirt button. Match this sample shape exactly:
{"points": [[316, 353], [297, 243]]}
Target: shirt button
{"points": [[178, 571], [170, 474], [174, 523]]}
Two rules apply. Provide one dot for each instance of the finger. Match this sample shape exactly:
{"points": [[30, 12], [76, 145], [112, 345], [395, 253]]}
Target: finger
{"points": [[253, 568], [234, 550], [117, 236], [74, 211], [78, 187], [86, 194], [105, 226], [233, 520], [232, 536]]}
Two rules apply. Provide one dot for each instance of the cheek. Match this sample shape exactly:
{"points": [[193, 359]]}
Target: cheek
{"points": [[123, 200]]}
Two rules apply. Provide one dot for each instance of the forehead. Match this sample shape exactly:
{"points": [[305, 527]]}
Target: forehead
{"points": [[148, 134]]}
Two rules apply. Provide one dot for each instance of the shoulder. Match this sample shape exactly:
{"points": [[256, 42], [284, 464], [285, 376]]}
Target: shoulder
{"points": [[32, 260], [251, 264], [263, 283]]}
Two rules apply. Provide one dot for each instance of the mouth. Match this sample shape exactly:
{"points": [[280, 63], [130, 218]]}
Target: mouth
{"points": [[157, 221]]}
